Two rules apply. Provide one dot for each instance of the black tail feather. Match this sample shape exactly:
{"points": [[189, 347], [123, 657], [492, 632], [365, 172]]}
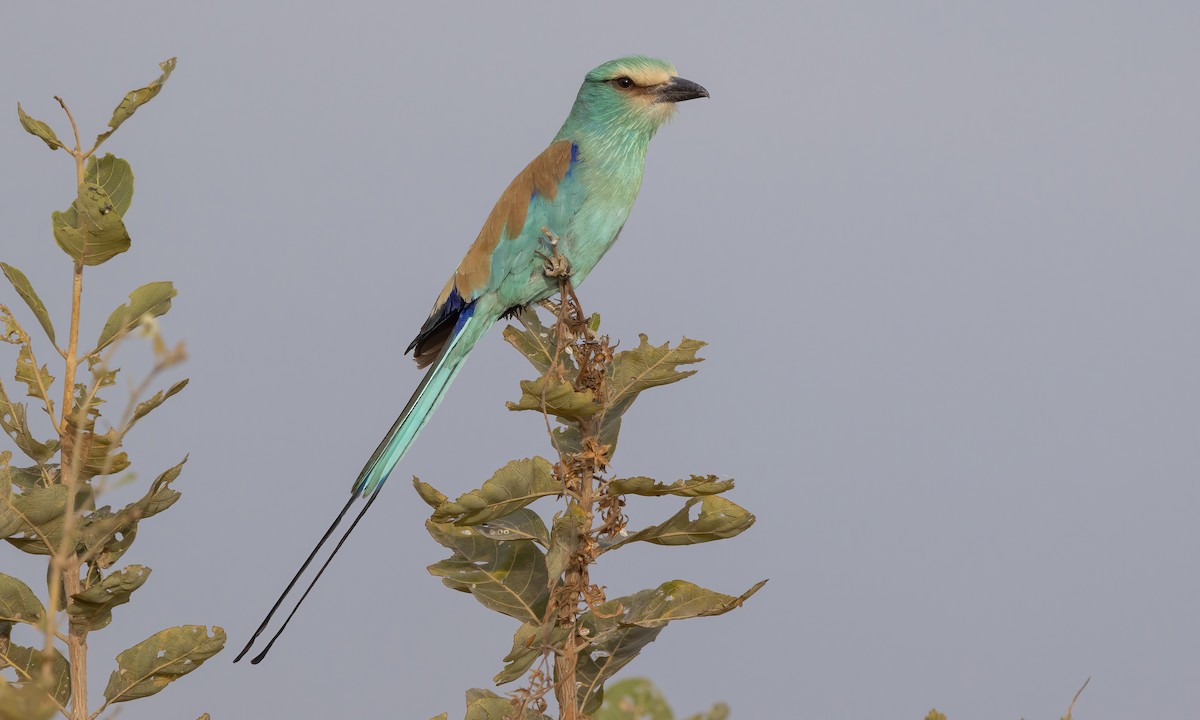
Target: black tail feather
{"points": [[259, 658], [296, 577]]}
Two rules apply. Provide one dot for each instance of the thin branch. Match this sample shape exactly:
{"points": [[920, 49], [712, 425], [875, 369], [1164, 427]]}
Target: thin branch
{"points": [[74, 128]]}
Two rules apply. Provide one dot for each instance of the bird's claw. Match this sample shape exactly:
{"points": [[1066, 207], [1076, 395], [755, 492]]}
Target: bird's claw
{"points": [[554, 265]]}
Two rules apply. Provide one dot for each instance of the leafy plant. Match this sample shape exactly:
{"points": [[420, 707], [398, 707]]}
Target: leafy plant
{"points": [[572, 638], [50, 507]]}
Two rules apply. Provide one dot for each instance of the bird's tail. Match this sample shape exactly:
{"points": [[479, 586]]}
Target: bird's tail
{"points": [[470, 328], [421, 406]]}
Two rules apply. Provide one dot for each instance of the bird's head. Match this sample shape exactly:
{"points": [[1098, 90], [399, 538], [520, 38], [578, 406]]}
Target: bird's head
{"points": [[636, 92]]}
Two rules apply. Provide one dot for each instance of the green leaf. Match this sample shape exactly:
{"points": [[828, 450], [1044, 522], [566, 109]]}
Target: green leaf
{"points": [[508, 577], [160, 496], [720, 711], [618, 629], [718, 519], [35, 378], [28, 664], [101, 376], [106, 535], [443, 716], [153, 299], [30, 477], [630, 373], [565, 540], [647, 366], [487, 705], [38, 518], [523, 524], [567, 440], [145, 407], [25, 289], [935, 715], [634, 699], [556, 397], [511, 488], [18, 603], [676, 600], [694, 486], [149, 666], [102, 457], [25, 702], [95, 605], [13, 418], [115, 176], [10, 521], [135, 99], [528, 645], [602, 660], [14, 422], [431, 495], [40, 129], [90, 231], [536, 342]]}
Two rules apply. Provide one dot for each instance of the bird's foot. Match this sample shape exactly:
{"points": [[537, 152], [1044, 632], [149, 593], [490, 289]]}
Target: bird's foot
{"points": [[554, 265]]}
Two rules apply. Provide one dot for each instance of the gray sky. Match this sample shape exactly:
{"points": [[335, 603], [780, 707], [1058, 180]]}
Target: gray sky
{"points": [[945, 255]]}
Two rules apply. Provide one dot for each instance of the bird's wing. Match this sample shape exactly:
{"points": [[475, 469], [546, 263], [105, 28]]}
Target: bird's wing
{"points": [[545, 194]]}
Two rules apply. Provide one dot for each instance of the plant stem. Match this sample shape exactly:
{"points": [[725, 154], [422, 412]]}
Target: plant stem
{"points": [[66, 560], [77, 646]]}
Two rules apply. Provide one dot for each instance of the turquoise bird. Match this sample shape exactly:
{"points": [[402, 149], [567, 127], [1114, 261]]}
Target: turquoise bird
{"points": [[578, 190]]}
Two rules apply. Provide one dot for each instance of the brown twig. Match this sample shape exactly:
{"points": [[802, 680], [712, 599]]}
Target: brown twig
{"points": [[581, 474]]}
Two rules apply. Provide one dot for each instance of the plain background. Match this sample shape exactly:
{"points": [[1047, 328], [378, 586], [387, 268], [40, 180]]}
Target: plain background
{"points": [[945, 255]]}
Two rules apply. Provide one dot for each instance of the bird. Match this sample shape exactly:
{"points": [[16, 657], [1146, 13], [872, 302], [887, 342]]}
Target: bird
{"points": [[576, 196]]}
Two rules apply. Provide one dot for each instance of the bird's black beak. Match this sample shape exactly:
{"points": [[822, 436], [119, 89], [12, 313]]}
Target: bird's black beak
{"points": [[677, 90]]}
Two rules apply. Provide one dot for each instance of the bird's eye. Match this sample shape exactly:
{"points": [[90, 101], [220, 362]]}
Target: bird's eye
{"points": [[624, 83]]}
